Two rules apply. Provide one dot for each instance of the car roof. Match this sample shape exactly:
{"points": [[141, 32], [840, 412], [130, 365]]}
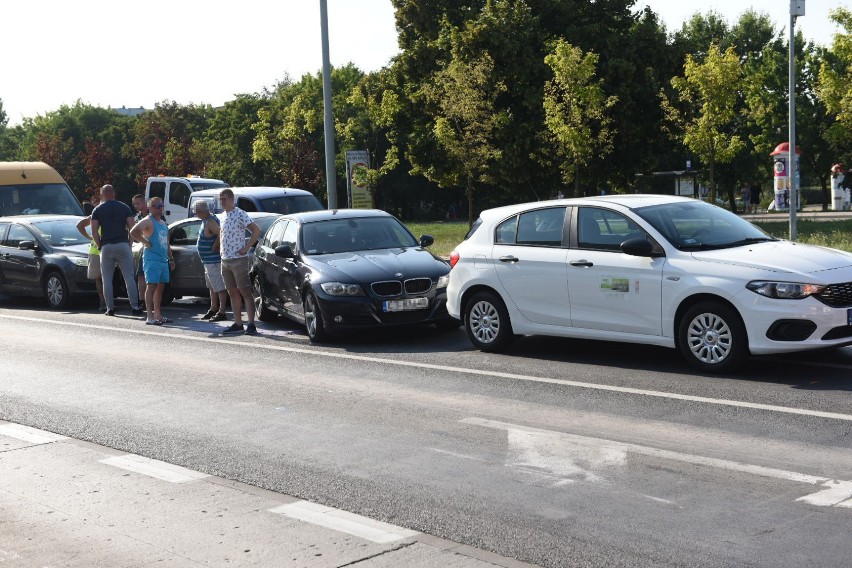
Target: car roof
{"points": [[328, 214], [629, 201], [27, 219], [251, 214], [260, 192]]}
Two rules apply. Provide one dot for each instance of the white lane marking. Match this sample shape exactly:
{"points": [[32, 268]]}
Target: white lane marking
{"points": [[835, 493], [343, 521], [154, 468], [460, 370], [582, 458], [455, 455], [27, 434]]}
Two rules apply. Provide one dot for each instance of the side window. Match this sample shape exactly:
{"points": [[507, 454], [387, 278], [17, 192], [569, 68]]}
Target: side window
{"points": [[505, 232], [3, 227], [605, 230], [186, 234], [16, 235], [157, 189], [179, 194], [246, 204], [275, 234], [542, 227], [291, 234]]}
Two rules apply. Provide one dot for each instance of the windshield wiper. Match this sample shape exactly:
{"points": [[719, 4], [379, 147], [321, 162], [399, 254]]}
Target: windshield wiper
{"points": [[750, 241]]}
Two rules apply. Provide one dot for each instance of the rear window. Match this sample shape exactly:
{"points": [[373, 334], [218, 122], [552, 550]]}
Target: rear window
{"points": [[473, 228], [291, 204], [34, 199]]}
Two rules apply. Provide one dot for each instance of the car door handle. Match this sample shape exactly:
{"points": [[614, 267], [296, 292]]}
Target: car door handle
{"points": [[509, 258], [583, 263]]}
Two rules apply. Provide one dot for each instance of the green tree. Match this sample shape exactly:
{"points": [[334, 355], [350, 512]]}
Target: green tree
{"points": [[575, 109], [229, 140], [708, 94], [10, 138], [835, 83], [467, 119]]}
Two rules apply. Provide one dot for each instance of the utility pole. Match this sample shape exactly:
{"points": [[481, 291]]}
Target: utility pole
{"points": [[797, 8], [328, 116]]}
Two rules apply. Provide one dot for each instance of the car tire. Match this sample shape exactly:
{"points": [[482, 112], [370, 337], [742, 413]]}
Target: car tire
{"points": [[261, 311], [712, 338], [56, 290], [313, 319], [487, 323], [168, 297]]}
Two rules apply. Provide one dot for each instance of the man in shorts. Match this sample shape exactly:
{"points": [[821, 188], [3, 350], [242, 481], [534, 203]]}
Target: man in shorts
{"points": [[93, 272], [157, 259], [235, 261], [208, 250]]}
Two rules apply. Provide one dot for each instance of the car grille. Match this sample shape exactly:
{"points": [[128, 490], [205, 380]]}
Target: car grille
{"points": [[395, 288], [836, 295], [389, 288], [418, 285]]}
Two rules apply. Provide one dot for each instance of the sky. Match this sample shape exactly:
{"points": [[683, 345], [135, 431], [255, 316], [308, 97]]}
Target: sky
{"points": [[136, 54]]}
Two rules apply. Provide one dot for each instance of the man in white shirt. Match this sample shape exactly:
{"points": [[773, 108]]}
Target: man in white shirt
{"points": [[235, 263]]}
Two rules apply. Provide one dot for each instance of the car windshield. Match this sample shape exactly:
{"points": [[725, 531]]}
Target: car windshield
{"points": [[34, 199], [291, 204], [199, 185], [60, 232], [695, 225], [346, 235]]}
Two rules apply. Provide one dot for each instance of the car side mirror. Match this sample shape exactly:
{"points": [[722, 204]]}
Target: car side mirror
{"points": [[427, 241], [284, 251], [639, 247], [27, 245]]}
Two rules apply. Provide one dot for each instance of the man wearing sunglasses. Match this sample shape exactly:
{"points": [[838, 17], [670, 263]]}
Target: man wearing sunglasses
{"points": [[157, 259]]}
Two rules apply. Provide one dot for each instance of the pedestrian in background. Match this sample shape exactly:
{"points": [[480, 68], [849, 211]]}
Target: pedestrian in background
{"points": [[745, 193], [208, 249], [157, 259], [755, 196], [235, 265], [141, 207], [110, 222]]}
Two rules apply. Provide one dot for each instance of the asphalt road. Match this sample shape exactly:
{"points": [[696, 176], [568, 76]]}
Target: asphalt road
{"points": [[560, 453]]}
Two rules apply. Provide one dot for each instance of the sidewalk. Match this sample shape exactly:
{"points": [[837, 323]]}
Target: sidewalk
{"points": [[809, 213], [65, 502]]}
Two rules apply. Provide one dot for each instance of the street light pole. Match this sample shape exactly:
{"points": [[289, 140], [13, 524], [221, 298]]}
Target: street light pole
{"points": [[797, 8], [328, 116]]}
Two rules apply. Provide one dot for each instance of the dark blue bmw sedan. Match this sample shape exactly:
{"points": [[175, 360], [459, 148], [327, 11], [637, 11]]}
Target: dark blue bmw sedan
{"points": [[347, 269]]}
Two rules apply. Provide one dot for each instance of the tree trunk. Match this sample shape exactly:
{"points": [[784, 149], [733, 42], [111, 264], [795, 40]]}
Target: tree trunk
{"points": [[470, 202]]}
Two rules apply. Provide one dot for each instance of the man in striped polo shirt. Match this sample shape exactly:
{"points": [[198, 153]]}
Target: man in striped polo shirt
{"points": [[208, 250]]}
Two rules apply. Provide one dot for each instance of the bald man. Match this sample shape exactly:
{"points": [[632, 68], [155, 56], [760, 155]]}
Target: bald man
{"points": [[111, 221]]}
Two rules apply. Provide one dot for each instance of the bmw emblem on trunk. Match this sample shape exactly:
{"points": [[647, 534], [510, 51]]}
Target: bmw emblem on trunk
{"points": [[398, 274]]}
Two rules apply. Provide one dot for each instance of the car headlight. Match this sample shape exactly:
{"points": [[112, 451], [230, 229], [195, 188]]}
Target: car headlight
{"points": [[443, 281], [80, 260], [785, 290], [342, 289]]}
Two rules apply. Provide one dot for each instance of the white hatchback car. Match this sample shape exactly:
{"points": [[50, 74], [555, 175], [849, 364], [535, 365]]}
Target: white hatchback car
{"points": [[651, 269]]}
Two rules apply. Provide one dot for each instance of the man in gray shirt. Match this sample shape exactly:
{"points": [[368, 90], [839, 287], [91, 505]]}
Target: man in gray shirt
{"points": [[110, 222]]}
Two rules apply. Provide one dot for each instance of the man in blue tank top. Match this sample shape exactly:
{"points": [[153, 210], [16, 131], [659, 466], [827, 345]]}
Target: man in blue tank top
{"points": [[208, 250], [157, 259]]}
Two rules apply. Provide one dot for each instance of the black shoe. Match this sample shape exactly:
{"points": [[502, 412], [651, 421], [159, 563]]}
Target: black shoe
{"points": [[219, 316], [138, 312], [210, 313], [109, 313], [251, 329], [234, 328]]}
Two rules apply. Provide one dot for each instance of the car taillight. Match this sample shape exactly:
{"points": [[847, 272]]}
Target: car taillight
{"points": [[454, 258]]}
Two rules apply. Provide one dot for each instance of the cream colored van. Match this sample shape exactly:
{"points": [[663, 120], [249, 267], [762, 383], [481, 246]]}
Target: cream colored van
{"points": [[33, 188]]}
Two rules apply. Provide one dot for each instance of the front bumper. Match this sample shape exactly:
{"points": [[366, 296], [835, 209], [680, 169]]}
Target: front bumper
{"points": [[342, 313]]}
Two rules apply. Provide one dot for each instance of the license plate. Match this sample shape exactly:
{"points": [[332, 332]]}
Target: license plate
{"points": [[405, 305]]}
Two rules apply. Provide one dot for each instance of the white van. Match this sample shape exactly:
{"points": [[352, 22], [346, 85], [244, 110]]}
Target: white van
{"points": [[175, 192], [32, 188]]}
